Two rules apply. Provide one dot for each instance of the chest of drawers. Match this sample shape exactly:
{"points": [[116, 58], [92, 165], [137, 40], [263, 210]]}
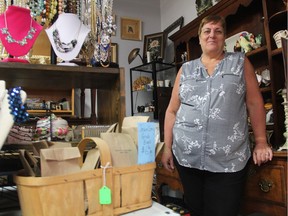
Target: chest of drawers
{"points": [[265, 191]]}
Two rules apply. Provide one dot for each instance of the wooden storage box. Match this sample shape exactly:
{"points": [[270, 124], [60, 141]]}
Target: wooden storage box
{"points": [[77, 193]]}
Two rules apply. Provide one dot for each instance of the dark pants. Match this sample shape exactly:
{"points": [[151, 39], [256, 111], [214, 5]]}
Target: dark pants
{"points": [[212, 194]]}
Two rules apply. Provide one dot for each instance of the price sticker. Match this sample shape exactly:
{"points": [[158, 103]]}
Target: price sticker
{"points": [[105, 195]]}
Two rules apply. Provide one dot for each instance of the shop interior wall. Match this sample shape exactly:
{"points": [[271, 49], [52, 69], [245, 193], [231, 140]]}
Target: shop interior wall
{"points": [[156, 15]]}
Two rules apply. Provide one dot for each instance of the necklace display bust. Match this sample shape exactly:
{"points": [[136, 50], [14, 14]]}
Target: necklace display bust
{"points": [[18, 31], [67, 36]]}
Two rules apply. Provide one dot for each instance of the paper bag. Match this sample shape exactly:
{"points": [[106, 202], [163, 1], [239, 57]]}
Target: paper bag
{"points": [[44, 144], [59, 161], [122, 148]]}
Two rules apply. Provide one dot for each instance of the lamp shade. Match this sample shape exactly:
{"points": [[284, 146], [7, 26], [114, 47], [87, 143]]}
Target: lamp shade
{"points": [[133, 54]]}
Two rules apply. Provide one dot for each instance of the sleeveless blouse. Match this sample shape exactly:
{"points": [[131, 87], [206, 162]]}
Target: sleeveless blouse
{"points": [[211, 130]]}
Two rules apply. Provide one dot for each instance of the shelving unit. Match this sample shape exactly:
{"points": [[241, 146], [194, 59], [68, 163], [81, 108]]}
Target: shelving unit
{"points": [[55, 96], [58, 81], [144, 96]]}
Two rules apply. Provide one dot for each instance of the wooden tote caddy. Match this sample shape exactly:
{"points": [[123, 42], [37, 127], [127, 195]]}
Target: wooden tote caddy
{"points": [[78, 193]]}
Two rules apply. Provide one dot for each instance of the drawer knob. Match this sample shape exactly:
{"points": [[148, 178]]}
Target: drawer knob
{"points": [[265, 185]]}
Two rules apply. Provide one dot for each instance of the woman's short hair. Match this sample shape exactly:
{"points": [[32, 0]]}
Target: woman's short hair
{"points": [[213, 19]]}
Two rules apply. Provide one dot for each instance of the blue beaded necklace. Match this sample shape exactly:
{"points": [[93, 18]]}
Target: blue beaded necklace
{"points": [[18, 110]]}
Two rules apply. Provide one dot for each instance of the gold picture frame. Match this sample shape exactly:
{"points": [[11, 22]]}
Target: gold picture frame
{"points": [[114, 53], [131, 29]]}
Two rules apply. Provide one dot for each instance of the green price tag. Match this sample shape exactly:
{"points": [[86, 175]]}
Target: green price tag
{"points": [[105, 195]]}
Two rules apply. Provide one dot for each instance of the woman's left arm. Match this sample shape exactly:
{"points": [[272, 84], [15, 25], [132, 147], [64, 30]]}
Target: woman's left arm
{"points": [[262, 151]]}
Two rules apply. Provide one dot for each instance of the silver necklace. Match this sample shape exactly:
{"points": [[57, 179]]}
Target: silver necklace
{"points": [[23, 41], [64, 47]]}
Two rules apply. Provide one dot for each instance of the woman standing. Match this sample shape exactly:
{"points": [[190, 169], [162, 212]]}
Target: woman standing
{"points": [[206, 128]]}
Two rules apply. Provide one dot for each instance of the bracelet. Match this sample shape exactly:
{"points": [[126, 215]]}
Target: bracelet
{"points": [[18, 110]]}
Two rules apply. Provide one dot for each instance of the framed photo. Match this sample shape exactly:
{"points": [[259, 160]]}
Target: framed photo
{"points": [[131, 29], [114, 53], [155, 44]]}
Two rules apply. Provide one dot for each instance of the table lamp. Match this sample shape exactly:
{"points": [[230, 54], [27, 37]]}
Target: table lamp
{"points": [[133, 54]]}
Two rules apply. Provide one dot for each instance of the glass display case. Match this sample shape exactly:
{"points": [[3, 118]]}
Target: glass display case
{"points": [[147, 81]]}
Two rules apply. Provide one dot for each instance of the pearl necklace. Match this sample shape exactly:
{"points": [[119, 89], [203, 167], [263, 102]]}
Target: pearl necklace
{"points": [[23, 41]]}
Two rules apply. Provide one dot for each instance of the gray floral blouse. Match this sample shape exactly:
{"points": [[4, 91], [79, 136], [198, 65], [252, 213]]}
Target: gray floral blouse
{"points": [[211, 131]]}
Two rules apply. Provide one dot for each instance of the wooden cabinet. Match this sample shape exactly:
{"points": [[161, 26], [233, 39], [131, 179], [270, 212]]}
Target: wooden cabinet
{"points": [[263, 17], [163, 177], [265, 191], [58, 81], [266, 187], [163, 97]]}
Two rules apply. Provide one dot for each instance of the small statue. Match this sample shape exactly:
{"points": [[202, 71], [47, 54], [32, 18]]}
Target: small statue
{"points": [[249, 42]]}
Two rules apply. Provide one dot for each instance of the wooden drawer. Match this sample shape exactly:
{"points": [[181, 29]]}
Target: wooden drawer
{"points": [[268, 182], [251, 207], [266, 187]]}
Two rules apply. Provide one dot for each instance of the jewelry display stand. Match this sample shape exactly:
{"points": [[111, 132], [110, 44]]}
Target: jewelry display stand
{"points": [[18, 32], [67, 36], [6, 118]]}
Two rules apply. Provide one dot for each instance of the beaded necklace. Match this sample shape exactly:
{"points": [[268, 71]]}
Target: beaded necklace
{"points": [[17, 109], [65, 47], [36, 7], [23, 41], [2, 7], [104, 29]]}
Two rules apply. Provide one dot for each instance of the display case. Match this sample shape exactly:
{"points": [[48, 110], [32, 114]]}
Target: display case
{"points": [[147, 83]]}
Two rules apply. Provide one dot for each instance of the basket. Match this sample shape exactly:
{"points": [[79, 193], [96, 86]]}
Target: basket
{"points": [[77, 193]]}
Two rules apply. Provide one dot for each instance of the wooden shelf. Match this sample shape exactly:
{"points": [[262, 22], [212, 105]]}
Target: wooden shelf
{"points": [[36, 76], [109, 82], [46, 111]]}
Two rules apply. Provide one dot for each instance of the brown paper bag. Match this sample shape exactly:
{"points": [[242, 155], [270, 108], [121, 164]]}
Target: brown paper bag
{"points": [[122, 148], [59, 161]]}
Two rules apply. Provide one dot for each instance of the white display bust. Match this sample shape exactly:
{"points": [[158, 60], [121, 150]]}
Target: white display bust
{"points": [[70, 30], [6, 118]]}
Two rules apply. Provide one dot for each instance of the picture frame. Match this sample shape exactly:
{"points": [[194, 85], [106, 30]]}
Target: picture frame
{"points": [[154, 43], [177, 24], [131, 29], [114, 53]]}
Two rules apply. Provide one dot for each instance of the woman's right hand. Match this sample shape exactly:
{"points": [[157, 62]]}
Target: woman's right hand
{"points": [[167, 159]]}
